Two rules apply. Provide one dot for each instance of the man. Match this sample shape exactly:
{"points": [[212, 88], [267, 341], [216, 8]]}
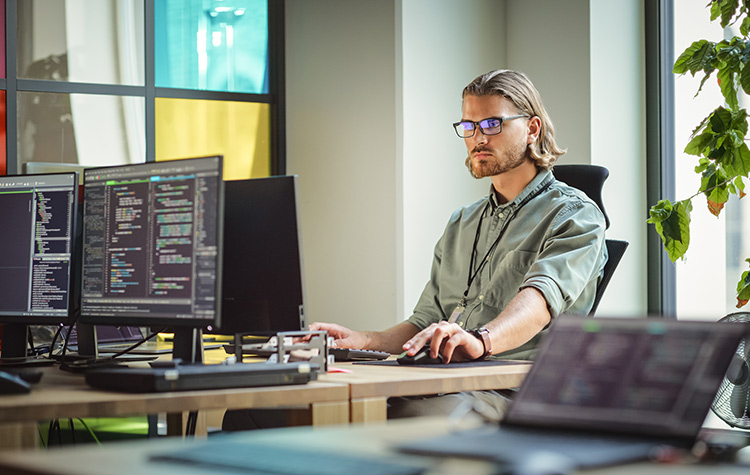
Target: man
{"points": [[543, 241], [509, 263]]}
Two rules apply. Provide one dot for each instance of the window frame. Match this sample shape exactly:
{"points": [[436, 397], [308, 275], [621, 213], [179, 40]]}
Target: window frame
{"points": [[660, 152], [275, 97]]}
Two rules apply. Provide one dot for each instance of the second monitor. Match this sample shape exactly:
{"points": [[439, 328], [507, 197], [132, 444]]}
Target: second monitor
{"points": [[262, 285]]}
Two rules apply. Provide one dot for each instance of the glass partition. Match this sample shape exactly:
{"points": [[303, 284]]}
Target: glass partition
{"points": [[67, 129], [91, 41], [240, 131], [215, 45]]}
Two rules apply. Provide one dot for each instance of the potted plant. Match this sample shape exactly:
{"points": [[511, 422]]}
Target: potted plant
{"points": [[719, 140]]}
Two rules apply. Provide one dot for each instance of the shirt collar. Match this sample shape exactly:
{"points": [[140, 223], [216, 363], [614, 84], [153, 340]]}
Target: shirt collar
{"points": [[540, 180]]}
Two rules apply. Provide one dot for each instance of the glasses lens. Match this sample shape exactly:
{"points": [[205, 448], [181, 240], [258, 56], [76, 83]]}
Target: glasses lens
{"points": [[491, 126], [465, 129]]}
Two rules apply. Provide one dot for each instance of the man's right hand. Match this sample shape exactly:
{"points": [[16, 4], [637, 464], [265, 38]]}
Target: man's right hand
{"points": [[342, 336]]}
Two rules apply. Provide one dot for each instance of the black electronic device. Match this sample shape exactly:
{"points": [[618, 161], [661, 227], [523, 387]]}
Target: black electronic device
{"points": [[194, 377], [262, 286], [732, 401], [421, 357], [39, 252], [13, 384], [152, 248], [351, 354]]}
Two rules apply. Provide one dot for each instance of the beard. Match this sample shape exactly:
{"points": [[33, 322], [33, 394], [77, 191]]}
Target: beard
{"points": [[512, 158]]}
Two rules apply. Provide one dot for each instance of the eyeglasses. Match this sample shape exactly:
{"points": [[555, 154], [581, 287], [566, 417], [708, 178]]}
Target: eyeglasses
{"points": [[491, 126]]}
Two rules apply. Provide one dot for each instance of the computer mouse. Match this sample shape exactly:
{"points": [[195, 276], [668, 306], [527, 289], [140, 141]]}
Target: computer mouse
{"points": [[420, 357], [13, 384]]}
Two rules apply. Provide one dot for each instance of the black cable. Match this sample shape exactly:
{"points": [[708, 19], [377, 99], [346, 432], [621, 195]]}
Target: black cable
{"points": [[72, 431], [192, 422], [49, 431], [138, 343]]}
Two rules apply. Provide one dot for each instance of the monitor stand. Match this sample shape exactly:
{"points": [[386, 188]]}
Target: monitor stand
{"points": [[14, 344], [188, 345]]}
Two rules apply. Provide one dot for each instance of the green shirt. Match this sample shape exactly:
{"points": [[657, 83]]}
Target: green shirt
{"points": [[551, 237]]}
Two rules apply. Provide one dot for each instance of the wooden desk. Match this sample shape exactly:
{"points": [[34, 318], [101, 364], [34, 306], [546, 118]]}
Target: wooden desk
{"points": [[371, 385], [128, 458], [62, 395]]}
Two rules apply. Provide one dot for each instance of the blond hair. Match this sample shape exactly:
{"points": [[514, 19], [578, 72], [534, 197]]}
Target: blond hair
{"points": [[517, 88]]}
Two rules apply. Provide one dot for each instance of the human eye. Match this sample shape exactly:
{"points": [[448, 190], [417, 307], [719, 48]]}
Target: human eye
{"points": [[466, 126], [491, 123]]}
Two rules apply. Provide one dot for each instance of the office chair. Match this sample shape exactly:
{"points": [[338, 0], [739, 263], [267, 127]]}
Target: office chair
{"points": [[590, 179]]}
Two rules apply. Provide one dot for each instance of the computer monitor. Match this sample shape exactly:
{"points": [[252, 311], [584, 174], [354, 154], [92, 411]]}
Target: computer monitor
{"points": [[263, 286], [38, 256], [152, 247]]}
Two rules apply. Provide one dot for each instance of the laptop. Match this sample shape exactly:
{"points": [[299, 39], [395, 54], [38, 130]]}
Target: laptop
{"points": [[603, 392], [113, 339]]}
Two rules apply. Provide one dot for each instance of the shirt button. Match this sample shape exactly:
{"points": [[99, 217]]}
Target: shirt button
{"points": [[500, 215], [481, 297]]}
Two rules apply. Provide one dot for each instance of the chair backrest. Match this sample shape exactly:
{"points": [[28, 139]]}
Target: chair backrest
{"points": [[587, 178], [590, 179]]}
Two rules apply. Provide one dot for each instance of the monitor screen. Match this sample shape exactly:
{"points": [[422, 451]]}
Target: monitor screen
{"points": [[152, 235], [263, 290], [37, 248]]}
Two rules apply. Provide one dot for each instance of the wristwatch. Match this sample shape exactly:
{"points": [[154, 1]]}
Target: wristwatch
{"points": [[484, 335]]}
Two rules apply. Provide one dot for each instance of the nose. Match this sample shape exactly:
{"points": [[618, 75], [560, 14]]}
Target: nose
{"points": [[479, 136]]}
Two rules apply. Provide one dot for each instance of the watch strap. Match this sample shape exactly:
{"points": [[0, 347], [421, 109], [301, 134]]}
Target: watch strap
{"points": [[483, 334]]}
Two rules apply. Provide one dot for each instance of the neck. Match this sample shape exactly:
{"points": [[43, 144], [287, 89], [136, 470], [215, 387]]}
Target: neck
{"points": [[509, 184]]}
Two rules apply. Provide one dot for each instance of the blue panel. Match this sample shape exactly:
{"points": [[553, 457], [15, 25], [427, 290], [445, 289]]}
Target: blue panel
{"points": [[215, 45]]}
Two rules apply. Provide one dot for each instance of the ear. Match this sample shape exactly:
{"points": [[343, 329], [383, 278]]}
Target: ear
{"points": [[534, 128]]}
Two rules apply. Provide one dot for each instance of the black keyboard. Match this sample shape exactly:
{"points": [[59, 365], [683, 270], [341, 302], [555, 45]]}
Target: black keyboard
{"points": [[339, 354], [263, 458], [349, 354]]}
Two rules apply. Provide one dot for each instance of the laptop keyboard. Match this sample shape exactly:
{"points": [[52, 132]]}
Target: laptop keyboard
{"points": [[254, 458]]}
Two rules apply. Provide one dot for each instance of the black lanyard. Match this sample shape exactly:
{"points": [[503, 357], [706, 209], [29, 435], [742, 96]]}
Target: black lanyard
{"points": [[472, 275]]}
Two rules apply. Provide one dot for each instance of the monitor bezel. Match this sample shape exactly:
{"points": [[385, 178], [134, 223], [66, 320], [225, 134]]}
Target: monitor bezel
{"points": [[129, 319]]}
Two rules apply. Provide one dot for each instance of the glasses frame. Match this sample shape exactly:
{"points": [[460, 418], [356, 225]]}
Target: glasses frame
{"points": [[484, 132]]}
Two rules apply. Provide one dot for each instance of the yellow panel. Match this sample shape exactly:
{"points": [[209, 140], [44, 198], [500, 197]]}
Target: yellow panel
{"points": [[240, 131]]}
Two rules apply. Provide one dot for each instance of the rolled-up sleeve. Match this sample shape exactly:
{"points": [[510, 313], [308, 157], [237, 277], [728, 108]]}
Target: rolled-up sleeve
{"points": [[571, 258]]}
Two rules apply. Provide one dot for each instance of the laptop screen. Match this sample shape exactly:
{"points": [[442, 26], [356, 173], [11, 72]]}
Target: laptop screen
{"points": [[644, 376]]}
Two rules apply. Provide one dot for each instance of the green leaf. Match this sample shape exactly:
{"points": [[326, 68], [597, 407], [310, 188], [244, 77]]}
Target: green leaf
{"points": [[745, 26], [713, 185], [739, 161], [715, 9], [743, 289], [659, 212], [739, 184], [727, 8], [728, 88], [745, 75], [719, 120], [672, 222], [697, 57], [699, 144]]}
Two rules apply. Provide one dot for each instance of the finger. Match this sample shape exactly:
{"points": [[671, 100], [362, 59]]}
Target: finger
{"points": [[416, 342]]}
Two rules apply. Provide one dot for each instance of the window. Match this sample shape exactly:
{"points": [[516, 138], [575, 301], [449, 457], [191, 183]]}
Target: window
{"points": [[109, 82], [703, 284]]}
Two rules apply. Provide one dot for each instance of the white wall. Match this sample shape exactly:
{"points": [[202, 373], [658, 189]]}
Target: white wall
{"points": [[589, 70], [445, 45], [618, 142], [375, 196], [549, 41], [341, 141]]}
